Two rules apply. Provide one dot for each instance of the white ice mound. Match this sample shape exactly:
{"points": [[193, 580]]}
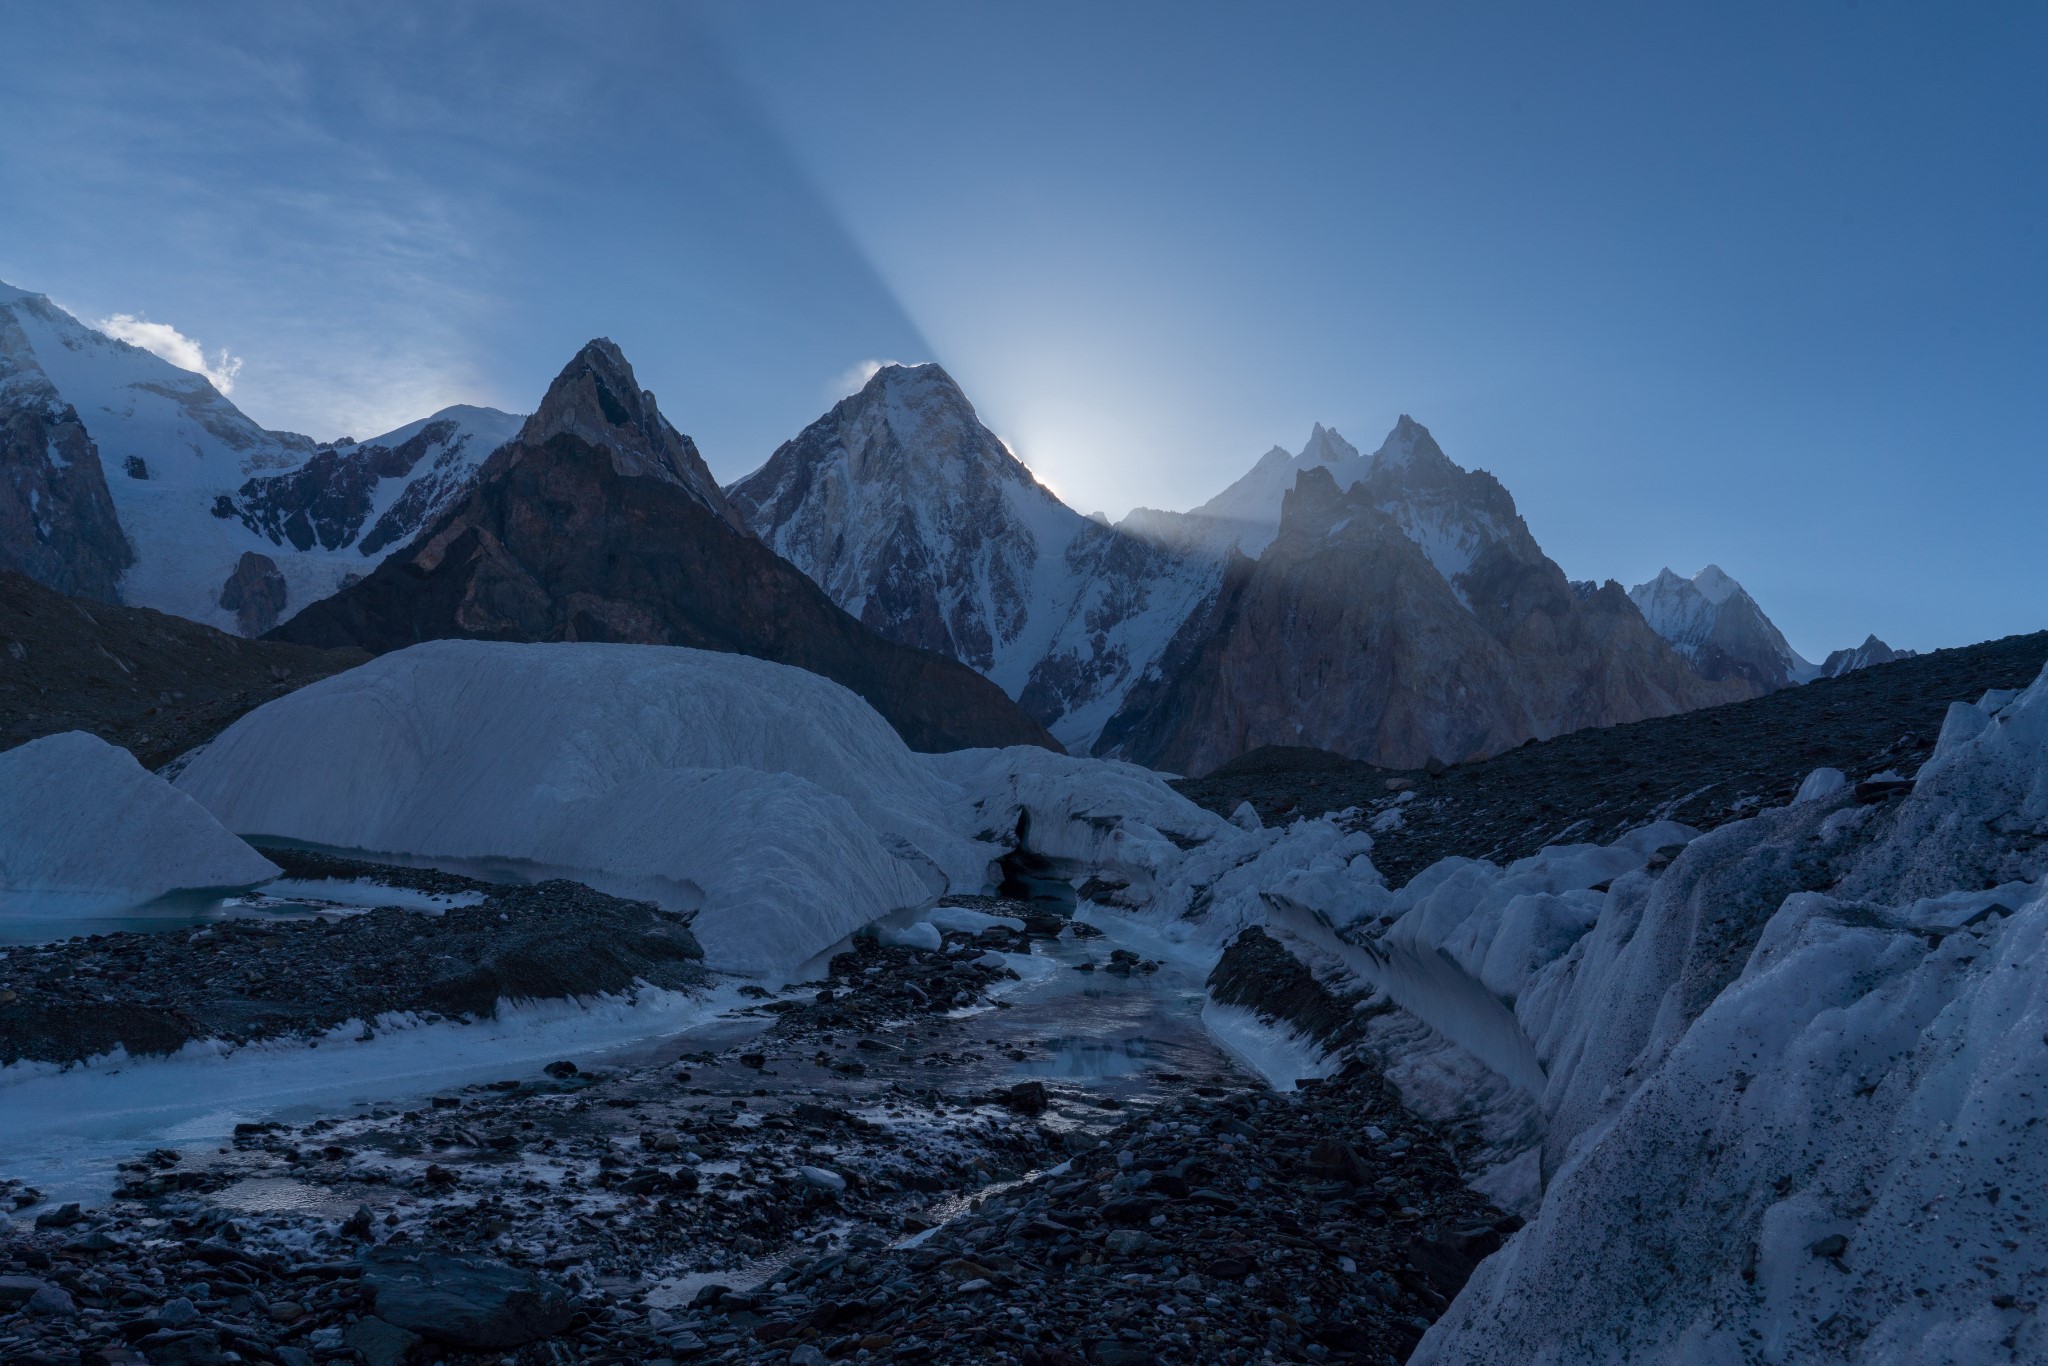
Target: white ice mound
{"points": [[85, 831], [770, 801], [1789, 1125], [1120, 821]]}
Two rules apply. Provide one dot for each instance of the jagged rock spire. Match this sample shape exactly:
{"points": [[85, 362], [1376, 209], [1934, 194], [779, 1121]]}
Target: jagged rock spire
{"points": [[597, 399]]}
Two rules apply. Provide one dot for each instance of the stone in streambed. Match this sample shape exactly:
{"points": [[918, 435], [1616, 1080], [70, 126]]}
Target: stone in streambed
{"points": [[465, 1302], [380, 1343]]}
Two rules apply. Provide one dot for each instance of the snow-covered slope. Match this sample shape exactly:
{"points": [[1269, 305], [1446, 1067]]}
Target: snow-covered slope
{"points": [[87, 831], [918, 521], [770, 801], [197, 486], [1711, 620]]}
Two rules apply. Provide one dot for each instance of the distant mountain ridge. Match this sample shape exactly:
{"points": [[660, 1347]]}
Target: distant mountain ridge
{"points": [[915, 517], [599, 522], [192, 487], [1716, 624], [130, 480], [1407, 619]]}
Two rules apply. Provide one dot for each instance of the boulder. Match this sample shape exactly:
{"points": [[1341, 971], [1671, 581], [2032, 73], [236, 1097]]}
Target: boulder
{"points": [[460, 1301]]}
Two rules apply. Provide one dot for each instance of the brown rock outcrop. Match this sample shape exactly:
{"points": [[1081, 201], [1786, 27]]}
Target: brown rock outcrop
{"points": [[255, 593], [150, 682]]}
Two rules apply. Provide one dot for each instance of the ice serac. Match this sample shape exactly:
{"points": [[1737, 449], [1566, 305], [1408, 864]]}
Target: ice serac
{"points": [[1712, 621], [1790, 1084], [1407, 618], [1871, 651], [194, 484], [87, 831], [917, 519], [772, 804], [599, 523]]}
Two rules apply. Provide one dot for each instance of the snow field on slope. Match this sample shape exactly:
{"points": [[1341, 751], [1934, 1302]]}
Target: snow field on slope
{"points": [[85, 831], [771, 802], [196, 445]]}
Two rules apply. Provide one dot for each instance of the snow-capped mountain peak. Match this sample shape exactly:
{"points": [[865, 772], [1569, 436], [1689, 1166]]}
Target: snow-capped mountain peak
{"points": [[1714, 584], [214, 509], [1327, 447], [1711, 620], [918, 520], [1399, 449]]}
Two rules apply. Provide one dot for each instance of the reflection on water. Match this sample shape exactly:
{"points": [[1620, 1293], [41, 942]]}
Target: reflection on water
{"points": [[40, 919], [1079, 1057], [676, 895], [32, 924]]}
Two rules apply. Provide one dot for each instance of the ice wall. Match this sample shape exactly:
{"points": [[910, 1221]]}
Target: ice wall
{"points": [[1796, 1088]]}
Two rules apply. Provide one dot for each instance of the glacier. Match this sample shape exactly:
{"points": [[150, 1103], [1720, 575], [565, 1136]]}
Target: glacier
{"points": [[1766, 1093], [769, 801], [85, 831]]}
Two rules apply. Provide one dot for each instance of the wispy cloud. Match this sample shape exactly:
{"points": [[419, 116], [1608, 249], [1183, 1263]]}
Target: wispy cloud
{"points": [[161, 339], [854, 378]]}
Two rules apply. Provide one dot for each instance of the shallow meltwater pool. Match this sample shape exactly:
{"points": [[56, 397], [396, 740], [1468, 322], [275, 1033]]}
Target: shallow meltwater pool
{"points": [[1076, 1058], [44, 920], [1071, 1022]]}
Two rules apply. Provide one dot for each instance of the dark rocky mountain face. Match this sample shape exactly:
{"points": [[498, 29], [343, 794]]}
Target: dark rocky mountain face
{"points": [[1341, 635], [57, 519], [599, 523], [150, 682], [255, 593], [328, 500], [1354, 633]]}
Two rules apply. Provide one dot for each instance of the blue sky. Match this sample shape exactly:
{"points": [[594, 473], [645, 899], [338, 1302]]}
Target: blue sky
{"points": [[1762, 285]]}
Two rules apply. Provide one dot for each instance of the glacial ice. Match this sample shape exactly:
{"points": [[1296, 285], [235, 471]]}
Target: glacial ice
{"points": [[87, 831], [1775, 1101], [1743, 1071], [1695, 1081], [771, 802]]}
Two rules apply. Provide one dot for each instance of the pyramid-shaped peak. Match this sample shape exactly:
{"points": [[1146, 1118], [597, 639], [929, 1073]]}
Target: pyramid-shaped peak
{"points": [[1715, 585], [927, 374], [1326, 447], [919, 388], [1408, 440], [597, 399]]}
